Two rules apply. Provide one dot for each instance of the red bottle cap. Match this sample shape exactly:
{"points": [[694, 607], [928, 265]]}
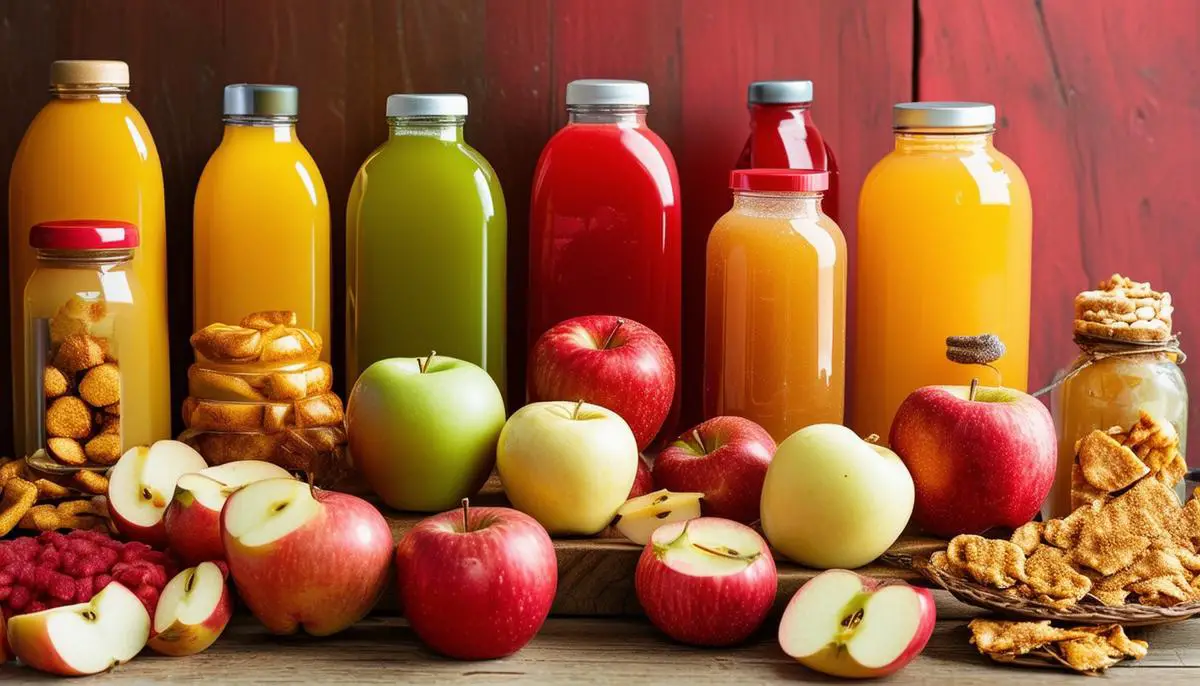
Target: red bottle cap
{"points": [[84, 234], [779, 180]]}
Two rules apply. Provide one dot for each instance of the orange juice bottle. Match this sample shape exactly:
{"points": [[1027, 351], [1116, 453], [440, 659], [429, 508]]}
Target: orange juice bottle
{"points": [[88, 154], [944, 249], [262, 217], [775, 326]]}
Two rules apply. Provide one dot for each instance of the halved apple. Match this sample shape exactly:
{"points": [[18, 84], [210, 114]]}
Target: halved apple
{"points": [[82, 639], [640, 517], [193, 519], [846, 625], [304, 557], [193, 610], [142, 484]]}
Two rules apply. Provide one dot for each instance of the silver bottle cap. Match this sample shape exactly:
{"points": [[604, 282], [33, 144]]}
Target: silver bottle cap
{"points": [[427, 105], [780, 92], [943, 115], [261, 100], [608, 92]]}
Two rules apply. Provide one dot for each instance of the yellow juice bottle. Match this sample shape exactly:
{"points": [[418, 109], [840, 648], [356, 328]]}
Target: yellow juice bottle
{"points": [[262, 217], [88, 154], [944, 249]]}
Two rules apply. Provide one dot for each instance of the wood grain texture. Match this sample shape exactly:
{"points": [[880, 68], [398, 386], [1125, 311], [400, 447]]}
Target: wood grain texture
{"points": [[384, 650], [595, 575], [1101, 108]]}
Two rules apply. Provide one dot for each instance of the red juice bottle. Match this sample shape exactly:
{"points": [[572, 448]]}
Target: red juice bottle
{"points": [[604, 231], [783, 135]]}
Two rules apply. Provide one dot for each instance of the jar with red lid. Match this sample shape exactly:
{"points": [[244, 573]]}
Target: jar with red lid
{"points": [[88, 363], [775, 324]]}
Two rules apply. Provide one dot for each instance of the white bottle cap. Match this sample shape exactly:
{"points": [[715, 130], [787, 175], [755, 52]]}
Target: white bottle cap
{"points": [[427, 105], [608, 92]]}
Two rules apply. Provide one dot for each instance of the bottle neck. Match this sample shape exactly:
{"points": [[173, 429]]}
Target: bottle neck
{"points": [[277, 129], [89, 91], [775, 203], [911, 140], [774, 113], [448, 128], [623, 115], [91, 258]]}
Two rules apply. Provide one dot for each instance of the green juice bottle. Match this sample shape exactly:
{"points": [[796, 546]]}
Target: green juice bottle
{"points": [[426, 244]]}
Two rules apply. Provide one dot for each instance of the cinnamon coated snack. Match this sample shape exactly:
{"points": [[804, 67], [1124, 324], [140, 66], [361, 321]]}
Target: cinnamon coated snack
{"points": [[277, 344], [1085, 649], [1124, 310]]}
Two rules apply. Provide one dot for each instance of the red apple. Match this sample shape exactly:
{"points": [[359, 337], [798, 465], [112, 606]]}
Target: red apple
{"points": [[477, 583], [643, 483], [707, 581], [608, 361], [726, 459], [141, 486], [88, 638], [305, 558], [835, 624], [976, 463], [193, 610], [193, 519]]}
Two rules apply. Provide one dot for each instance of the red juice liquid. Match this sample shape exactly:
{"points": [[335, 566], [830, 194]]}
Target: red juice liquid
{"points": [[604, 234]]}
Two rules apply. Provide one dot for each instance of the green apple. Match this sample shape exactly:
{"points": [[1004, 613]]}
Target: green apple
{"points": [[568, 465], [423, 430], [834, 500]]}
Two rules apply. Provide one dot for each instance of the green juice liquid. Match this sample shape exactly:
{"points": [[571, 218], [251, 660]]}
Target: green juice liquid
{"points": [[426, 241]]}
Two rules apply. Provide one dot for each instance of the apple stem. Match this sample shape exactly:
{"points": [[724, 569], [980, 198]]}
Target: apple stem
{"points": [[424, 366], [974, 388], [872, 439], [466, 508], [612, 334], [575, 412], [699, 442]]}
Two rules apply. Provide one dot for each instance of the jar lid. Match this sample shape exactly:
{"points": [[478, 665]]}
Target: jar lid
{"points": [[779, 180], [84, 234], [608, 92], [780, 92], [261, 100], [89, 72], [427, 105], [942, 115]]}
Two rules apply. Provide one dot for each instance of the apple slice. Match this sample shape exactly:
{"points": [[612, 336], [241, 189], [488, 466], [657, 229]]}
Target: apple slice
{"points": [[193, 519], [142, 484], [193, 610], [846, 625], [82, 639], [639, 517]]}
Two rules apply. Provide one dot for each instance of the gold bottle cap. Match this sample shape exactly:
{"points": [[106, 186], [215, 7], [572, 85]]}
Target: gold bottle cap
{"points": [[89, 72]]}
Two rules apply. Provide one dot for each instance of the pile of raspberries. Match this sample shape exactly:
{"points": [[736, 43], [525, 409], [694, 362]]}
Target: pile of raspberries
{"points": [[56, 569]]}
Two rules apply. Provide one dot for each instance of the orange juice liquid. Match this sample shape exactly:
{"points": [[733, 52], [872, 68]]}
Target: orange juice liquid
{"points": [[945, 245], [91, 156], [262, 230], [775, 326]]}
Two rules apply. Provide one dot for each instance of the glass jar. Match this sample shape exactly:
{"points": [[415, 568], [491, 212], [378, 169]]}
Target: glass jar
{"points": [[85, 318], [944, 248], [1112, 392], [775, 327]]}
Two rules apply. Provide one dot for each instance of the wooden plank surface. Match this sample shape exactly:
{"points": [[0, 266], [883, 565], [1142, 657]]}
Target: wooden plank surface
{"points": [[595, 651], [1100, 108], [595, 575]]}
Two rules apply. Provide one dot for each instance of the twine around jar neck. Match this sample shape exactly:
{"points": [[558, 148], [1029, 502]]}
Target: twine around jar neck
{"points": [[1096, 349]]}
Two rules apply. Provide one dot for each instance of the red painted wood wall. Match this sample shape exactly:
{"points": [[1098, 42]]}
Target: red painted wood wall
{"points": [[1099, 103]]}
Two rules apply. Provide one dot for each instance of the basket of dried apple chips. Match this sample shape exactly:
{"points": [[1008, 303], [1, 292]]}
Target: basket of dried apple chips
{"points": [[1130, 555]]}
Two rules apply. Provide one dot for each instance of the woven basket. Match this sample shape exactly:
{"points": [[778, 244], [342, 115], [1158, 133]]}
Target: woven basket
{"points": [[1087, 611]]}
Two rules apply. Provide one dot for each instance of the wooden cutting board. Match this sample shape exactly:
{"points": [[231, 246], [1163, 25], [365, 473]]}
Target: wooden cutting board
{"points": [[595, 575]]}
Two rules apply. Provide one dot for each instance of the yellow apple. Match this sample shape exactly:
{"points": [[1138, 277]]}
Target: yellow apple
{"points": [[568, 465], [832, 500]]}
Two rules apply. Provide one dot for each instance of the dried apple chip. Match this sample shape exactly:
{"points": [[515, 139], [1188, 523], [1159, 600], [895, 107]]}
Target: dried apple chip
{"points": [[1064, 533], [1107, 465], [993, 562], [1049, 573], [1028, 536], [996, 636]]}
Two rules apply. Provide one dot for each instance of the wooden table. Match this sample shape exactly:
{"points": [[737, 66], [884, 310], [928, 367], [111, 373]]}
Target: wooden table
{"points": [[600, 651]]}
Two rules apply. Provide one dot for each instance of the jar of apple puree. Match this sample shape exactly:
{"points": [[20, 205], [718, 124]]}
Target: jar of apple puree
{"points": [[1129, 364], [88, 338]]}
